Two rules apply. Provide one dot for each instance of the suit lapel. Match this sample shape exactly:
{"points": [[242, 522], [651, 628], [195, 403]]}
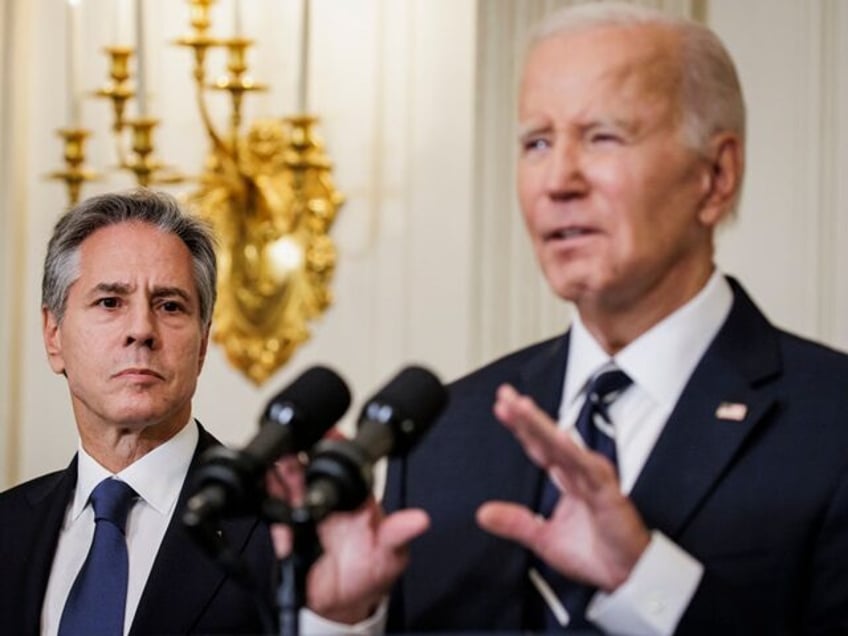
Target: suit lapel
{"points": [[49, 503], [542, 379], [719, 409], [184, 579], [543, 376]]}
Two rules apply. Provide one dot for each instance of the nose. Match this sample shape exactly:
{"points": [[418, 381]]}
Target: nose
{"points": [[564, 177], [141, 330]]}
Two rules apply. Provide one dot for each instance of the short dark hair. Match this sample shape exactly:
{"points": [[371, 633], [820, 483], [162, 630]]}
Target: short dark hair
{"points": [[61, 265]]}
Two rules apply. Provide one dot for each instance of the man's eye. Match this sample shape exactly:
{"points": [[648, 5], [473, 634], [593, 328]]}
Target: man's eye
{"points": [[600, 137], [172, 306], [534, 143], [109, 303]]}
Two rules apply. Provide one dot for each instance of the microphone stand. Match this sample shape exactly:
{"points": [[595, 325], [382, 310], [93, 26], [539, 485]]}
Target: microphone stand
{"points": [[294, 568]]}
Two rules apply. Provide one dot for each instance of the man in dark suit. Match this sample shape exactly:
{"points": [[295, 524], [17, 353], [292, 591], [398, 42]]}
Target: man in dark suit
{"points": [[128, 293], [674, 463], [757, 494]]}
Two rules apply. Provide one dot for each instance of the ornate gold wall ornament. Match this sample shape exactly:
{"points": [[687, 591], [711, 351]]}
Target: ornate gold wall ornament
{"points": [[268, 193], [272, 213]]}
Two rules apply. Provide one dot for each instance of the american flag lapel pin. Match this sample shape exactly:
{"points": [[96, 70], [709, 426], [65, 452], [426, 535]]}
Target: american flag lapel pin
{"points": [[731, 411]]}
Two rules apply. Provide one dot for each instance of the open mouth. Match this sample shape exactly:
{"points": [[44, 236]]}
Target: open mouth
{"points": [[567, 233]]}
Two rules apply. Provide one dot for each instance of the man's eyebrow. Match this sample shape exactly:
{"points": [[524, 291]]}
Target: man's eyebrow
{"points": [[120, 289], [166, 292], [611, 121], [533, 128]]}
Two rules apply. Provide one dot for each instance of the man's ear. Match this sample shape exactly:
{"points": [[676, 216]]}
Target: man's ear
{"points": [[725, 156], [52, 340]]}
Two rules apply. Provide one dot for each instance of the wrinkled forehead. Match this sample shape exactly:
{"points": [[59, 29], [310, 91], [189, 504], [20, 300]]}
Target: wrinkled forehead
{"points": [[136, 248]]}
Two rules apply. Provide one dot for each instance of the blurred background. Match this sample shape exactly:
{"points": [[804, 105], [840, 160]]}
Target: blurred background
{"points": [[415, 103]]}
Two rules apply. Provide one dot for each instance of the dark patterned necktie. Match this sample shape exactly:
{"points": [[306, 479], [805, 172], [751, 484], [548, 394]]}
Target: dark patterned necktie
{"points": [[98, 597], [594, 422], [594, 425]]}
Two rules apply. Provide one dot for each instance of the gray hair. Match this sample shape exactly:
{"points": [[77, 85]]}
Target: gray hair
{"points": [[711, 95], [61, 265]]}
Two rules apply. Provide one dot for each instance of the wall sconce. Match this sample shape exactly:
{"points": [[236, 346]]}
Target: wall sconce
{"points": [[268, 192]]}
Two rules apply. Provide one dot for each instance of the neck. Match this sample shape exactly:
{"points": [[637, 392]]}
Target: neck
{"points": [[117, 447], [615, 327]]}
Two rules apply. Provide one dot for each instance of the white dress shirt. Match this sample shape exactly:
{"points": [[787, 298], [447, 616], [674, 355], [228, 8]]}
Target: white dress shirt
{"points": [[157, 478]]}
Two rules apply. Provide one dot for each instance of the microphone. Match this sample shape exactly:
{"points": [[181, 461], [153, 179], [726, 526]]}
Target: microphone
{"points": [[340, 475], [230, 481]]}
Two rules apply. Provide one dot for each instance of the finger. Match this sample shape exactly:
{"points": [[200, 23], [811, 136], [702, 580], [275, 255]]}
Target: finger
{"points": [[511, 521], [534, 428], [587, 475], [285, 480], [281, 538], [393, 538], [399, 528], [390, 532], [572, 467]]}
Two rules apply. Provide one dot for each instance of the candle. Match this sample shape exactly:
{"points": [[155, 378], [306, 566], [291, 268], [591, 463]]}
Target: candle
{"points": [[74, 57], [141, 79], [122, 28], [302, 87], [237, 25]]}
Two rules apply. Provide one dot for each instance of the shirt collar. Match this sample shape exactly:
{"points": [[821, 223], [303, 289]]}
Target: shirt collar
{"points": [[679, 341], [157, 477]]}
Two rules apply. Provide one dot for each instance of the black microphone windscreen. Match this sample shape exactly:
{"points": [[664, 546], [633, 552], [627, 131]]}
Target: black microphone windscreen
{"points": [[416, 393], [401, 412], [319, 397]]}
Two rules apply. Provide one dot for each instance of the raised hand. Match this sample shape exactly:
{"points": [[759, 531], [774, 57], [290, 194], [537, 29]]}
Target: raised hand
{"points": [[595, 534], [364, 551]]}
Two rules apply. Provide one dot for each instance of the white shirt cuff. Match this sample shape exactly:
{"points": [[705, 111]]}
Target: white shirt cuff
{"points": [[312, 625], [652, 600]]}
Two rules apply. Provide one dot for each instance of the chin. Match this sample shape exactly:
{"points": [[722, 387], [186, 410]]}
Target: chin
{"points": [[140, 417], [569, 289], [137, 422]]}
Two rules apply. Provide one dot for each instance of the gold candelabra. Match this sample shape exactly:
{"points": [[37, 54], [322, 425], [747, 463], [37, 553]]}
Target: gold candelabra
{"points": [[75, 172], [268, 193]]}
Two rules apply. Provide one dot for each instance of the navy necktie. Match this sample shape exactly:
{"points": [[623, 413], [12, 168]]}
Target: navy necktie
{"points": [[98, 598], [595, 427], [594, 422]]}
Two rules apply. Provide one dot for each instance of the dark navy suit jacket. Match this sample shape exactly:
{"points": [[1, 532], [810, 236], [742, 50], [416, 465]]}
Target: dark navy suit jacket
{"points": [[762, 502], [186, 593]]}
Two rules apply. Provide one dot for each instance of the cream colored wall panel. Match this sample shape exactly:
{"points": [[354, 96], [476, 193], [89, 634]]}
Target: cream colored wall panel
{"points": [[784, 244], [440, 188], [43, 431], [838, 72], [14, 105]]}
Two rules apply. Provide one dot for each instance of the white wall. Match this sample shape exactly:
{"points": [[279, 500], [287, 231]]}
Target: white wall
{"points": [[790, 239], [416, 104]]}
